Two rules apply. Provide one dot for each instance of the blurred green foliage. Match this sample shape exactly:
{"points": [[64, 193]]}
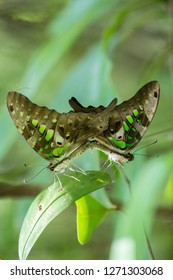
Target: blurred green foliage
{"points": [[93, 50]]}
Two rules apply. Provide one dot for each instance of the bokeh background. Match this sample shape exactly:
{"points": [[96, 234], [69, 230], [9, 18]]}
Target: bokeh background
{"points": [[94, 50]]}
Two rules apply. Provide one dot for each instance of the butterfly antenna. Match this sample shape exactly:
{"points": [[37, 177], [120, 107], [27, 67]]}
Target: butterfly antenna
{"points": [[32, 165], [148, 156], [30, 179], [159, 132], [154, 142]]}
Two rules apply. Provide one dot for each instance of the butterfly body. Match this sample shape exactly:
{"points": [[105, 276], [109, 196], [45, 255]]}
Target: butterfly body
{"points": [[59, 137]]}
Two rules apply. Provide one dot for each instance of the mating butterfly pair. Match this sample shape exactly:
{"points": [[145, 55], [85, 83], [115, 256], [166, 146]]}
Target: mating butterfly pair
{"points": [[115, 129]]}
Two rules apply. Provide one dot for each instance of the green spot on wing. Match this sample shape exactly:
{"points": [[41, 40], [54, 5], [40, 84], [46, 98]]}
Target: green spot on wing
{"points": [[129, 145], [57, 152], [126, 127], [49, 155], [130, 119], [49, 134], [135, 112], [42, 128], [121, 144], [34, 122]]}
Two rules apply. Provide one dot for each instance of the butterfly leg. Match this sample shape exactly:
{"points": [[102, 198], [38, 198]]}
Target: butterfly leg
{"points": [[57, 180]]}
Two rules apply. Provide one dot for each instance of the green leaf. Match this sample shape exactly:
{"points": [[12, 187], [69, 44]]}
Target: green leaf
{"points": [[147, 189], [62, 32], [52, 201], [90, 213], [93, 71]]}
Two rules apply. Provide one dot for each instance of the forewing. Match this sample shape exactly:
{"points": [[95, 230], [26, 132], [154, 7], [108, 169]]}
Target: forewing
{"points": [[36, 123], [129, 121], [56, 137]]}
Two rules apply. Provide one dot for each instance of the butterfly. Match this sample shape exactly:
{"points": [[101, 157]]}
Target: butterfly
{"points": [[128, 122], [56, 137], [59, 137]]}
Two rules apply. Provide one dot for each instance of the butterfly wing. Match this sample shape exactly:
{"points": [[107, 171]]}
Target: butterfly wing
{"points": [[51, 134], [77, 107], [56, 137], [37, 124], [129, 121], [59, 137]]}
